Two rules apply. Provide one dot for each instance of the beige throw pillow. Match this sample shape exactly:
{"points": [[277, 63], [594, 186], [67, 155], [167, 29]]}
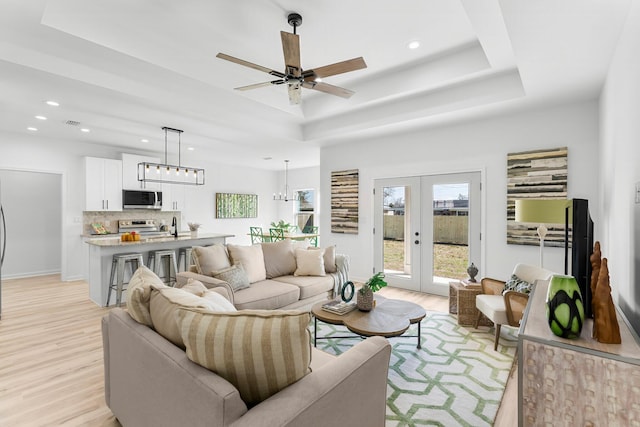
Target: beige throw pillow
{"points": [[251, 259], [163, 306], [235, 276], [139, 294], [260, 352], [329, 258], [309, 262], [279, 259], [210, 258]]}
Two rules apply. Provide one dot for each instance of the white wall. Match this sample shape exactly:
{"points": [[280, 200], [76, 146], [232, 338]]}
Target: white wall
{"points": [[472, 146], [28, 152], [619, 157]]}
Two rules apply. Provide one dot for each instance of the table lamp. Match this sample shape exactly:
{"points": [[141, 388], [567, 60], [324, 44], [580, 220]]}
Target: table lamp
{"points": [[543, 211]]}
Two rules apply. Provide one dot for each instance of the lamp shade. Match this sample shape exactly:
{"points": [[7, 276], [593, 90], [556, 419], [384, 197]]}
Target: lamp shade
{"points": [[542, 211]]}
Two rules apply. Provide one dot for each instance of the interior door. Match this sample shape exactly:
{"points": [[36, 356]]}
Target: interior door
{"points": [[427, 230], [397, 231]]}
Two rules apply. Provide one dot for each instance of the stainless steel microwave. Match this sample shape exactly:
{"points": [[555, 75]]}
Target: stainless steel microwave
{"points": [[141, 199]]}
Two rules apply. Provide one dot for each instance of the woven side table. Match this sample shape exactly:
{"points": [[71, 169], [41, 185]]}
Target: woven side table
{"points": [[462, 301]]}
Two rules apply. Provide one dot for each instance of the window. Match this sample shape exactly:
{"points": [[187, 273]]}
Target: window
{"points": [[305, 209]]}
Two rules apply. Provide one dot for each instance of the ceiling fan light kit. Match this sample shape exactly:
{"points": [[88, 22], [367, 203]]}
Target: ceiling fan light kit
{"points": [[294, 76], [170, 174]]}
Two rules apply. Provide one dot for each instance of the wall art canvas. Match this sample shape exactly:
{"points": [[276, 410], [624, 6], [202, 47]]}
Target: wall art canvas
{"points": [[232, 205], [344, 201], [539, 174]]}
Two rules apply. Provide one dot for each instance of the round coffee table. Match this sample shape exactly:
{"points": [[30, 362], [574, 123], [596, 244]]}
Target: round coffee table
{"points": [[389, 318]]}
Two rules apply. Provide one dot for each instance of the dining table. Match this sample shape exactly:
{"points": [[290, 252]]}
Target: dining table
{"points": [[291, 236]]}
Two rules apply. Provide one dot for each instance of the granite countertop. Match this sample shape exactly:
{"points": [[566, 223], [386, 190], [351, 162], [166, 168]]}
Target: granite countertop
{"points": [[115, 240]]}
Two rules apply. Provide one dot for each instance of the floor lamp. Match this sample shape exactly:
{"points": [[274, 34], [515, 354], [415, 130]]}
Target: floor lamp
{"points": [[542, 211]]}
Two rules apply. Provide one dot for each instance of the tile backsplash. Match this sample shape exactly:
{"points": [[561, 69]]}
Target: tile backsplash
{"points": [[110, 219]]}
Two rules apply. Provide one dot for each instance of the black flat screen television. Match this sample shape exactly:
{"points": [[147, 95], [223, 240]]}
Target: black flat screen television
{"points": [[581, 250]]}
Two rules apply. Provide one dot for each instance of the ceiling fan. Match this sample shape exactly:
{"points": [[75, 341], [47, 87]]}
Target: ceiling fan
{"points": [[294, 76]]}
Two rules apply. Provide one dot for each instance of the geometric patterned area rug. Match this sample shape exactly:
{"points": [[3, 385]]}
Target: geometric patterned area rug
{"points": [[455, 379]]}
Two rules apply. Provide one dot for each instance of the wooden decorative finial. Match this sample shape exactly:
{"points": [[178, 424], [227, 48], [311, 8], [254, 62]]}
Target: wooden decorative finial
{"points": [[605, 319], [595, 259]]}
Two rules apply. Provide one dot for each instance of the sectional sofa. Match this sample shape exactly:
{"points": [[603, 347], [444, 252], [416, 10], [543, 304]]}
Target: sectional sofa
{"points": [[163, 368], [278, 275]]}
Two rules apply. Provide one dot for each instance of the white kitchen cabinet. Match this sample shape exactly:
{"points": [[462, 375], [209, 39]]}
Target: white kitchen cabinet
{"points": [[103, 184], [173, 196], [130, 173]]}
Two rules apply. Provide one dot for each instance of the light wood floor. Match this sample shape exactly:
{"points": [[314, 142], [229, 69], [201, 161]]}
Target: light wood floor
{"points": [[51, 367]]}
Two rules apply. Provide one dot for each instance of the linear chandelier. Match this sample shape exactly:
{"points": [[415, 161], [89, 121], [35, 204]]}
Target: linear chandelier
{"points": [[286, 197], [170, 174]]}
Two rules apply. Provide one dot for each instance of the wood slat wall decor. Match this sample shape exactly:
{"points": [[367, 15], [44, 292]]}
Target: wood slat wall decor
{"points": [[344, 201], [539, 174]]}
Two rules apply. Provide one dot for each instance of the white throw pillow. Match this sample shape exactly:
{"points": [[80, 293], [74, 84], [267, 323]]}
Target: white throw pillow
{"points": [[252, 260], [309, 262]]}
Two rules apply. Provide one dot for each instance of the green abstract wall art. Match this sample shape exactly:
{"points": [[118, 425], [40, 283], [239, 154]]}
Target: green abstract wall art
{"points": [[233, 205]]}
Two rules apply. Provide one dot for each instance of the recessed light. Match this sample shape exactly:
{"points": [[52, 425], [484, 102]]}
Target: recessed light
{"points": [[267, 158], [85, 130], [144, 140], [414, 44], [190, 148], [32, 129], [41, 117], [53, 103]]}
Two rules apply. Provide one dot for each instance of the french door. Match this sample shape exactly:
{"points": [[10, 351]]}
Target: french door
{"points": [[427, 229]]}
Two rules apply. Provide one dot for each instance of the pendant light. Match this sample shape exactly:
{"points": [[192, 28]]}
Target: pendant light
{"points": [[286, 196], [170, 174]]}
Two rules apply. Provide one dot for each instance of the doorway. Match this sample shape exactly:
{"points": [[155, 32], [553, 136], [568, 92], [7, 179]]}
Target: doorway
{"points": [[32, 203], [427, 229]]}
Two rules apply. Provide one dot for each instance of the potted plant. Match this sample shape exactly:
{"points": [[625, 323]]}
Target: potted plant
{"points": [[365, 293], [193, 227], [281, 224]]}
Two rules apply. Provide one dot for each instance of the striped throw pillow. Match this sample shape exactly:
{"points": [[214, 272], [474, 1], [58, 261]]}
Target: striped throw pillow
{"points": [[260, 352]]}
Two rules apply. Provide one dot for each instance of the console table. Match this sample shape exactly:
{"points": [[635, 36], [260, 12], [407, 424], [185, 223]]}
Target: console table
{"points": [[574, 382]]}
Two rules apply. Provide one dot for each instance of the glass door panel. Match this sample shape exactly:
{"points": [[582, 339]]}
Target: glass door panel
{"points": [[450, 231], [396, 222]]}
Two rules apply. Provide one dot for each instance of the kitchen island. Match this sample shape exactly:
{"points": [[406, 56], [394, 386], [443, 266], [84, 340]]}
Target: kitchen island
{"points": [[101, 251]]}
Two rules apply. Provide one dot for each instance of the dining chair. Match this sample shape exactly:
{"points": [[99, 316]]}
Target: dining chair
{"points": [[313, 240], [257, 236], [276, 234], [293, 229]]}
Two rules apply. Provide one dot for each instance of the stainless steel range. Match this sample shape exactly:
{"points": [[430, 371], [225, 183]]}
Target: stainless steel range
{"points": [[147, 227]]}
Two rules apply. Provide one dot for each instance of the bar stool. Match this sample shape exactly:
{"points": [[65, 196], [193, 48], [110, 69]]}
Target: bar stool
{"points": [[163, 263], [117, 267], [184, 257]]}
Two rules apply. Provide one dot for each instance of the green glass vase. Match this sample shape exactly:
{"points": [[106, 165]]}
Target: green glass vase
{"points": [[565, 311]]}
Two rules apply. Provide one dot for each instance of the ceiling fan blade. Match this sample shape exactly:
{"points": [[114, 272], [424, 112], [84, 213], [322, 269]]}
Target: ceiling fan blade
{"points": [[249, 64], [295, 93], [337, 68], [257, 85], [330, 89], [291, 50]]}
